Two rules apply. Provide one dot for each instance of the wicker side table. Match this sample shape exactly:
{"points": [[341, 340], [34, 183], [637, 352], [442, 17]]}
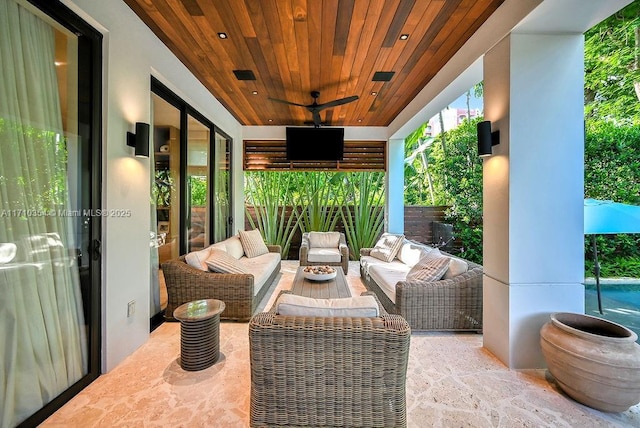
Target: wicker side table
{"points": [[199, 333]]}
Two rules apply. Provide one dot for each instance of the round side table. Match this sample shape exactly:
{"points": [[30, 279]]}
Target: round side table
{"points": [[199, 333]]}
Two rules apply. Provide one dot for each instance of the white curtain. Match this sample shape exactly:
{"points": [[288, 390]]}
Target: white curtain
{"points": [[42, 330]]}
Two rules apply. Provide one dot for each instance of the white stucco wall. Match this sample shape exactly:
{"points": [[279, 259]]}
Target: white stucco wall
{"points": [[131, 55]]}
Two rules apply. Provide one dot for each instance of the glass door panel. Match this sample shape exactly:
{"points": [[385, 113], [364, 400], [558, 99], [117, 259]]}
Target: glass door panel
{"points": [[222, 187], [198, 178]]}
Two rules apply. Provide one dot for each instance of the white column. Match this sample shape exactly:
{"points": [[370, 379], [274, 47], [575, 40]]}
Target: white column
{"points": [[394, 182], [533, 191]]}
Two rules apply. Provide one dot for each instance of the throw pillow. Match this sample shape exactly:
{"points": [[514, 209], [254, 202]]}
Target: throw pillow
{"points": [[222, 262], [234, 246], [387, 247], [324, 239], [359, 306], [252, 243], [456, 267], [411, 252], [197, 259], [429, 268]]}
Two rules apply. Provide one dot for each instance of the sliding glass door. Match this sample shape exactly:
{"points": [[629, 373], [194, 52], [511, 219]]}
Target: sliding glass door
{"points": [[191, 184], [49, 188]]}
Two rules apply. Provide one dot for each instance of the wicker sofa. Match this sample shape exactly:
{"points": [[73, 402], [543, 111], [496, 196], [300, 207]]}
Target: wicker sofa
{"points": [[454, 303], [328, 371], [241, 293]]}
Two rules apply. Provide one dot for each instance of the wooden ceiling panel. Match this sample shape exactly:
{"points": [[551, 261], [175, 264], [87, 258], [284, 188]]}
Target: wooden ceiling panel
{"points": [[297, 46]]}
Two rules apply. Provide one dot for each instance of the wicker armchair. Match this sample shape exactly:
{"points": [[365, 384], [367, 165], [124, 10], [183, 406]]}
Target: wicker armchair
{"points": [[330, 372], [447, 304], [185, 283], [343, 249]]}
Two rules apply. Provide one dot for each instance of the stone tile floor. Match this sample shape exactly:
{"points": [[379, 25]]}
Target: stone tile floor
{"points": [[452, 381]]}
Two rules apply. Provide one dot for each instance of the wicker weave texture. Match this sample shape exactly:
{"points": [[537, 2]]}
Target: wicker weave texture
{"points": [[344, 253], [328, 372], [185, 284], [449, 304]]}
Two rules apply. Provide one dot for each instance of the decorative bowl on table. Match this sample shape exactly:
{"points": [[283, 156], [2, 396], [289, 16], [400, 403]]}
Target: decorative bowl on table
{"points": [[319, 273]]}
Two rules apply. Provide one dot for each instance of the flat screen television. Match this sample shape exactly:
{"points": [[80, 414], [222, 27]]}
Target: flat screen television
{"points": [[315, 144]]}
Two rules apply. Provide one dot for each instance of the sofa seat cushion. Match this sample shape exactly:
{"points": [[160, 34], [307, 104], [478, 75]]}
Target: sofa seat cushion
{"points": [[368, 261], [387, 275], [324, 255], [261, 267], [324, 239], [358, 306]]}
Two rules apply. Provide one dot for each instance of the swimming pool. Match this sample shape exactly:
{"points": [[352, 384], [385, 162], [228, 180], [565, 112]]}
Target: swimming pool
{"points": [[620, 303]]}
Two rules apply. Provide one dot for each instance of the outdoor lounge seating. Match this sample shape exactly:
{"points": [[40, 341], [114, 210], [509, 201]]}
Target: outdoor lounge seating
{"points": [[452, 302], [241, 291], [328, 371], [324, 248]]}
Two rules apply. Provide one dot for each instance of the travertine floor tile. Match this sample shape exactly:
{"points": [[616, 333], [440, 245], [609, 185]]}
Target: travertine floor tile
{"points": [[452, 381]]}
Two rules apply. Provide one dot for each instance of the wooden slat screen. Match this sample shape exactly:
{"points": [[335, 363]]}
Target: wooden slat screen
{"points": [[271, 155]]}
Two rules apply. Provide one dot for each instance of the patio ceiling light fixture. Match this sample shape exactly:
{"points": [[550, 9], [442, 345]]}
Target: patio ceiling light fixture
{"points": [[140, 140], [486, 138]]}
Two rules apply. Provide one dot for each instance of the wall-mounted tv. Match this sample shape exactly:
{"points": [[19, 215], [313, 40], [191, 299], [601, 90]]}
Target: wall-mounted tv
{"points": [[315, 144]]}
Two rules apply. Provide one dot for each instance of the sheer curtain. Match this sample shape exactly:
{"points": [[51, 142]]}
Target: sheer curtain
{"points": [[44, 348]]}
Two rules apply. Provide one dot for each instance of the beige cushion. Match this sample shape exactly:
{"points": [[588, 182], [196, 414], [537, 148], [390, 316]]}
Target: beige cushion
{"points": [[252, 243], [387, 246], [456, 267], [222, 262], [197, 259], [410, 252], [324, 239], [359, 306], [324, 255], [234, 246], [429, 268]]}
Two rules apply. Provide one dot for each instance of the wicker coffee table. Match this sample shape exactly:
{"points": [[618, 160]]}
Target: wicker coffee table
{"points": [[329, 289]]}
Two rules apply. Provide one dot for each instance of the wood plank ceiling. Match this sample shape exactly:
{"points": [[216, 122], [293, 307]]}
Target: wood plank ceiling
{"points": [[294, 47]]}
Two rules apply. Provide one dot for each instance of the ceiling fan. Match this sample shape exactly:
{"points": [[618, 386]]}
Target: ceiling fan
{"points": [[315, 108]]}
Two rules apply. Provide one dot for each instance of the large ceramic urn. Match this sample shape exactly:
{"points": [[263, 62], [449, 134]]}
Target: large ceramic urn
{"points": [[594, 361]]}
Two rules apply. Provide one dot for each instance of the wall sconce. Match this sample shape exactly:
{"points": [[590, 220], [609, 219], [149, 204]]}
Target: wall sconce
{"points": [[140, 140], [486, 138]]}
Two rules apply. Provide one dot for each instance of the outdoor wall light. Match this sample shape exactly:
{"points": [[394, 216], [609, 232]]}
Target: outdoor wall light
{"points": [[140, 140], [486, 138]]}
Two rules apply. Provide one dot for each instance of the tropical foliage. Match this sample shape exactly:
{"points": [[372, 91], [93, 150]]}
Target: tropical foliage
{"points": [[285, 202], [612, 67]]}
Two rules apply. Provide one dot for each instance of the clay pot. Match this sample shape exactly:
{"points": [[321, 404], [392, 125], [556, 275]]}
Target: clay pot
{"points": [[594, 361]]}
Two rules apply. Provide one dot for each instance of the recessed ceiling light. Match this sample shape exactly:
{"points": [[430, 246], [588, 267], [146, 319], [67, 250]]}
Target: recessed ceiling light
{"points": [[359, 120], [254, 92], [222, 35], [404, 36], [374, 93], [270, 120]]}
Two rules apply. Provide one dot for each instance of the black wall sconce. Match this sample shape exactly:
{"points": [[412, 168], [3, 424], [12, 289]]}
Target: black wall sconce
{"points": [[486, 138], [140, 140]]}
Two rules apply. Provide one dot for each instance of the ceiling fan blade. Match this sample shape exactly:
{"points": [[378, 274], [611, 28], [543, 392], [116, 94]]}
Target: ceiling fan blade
{"points": [[317, 121], [337, 102], [287, 102]]}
